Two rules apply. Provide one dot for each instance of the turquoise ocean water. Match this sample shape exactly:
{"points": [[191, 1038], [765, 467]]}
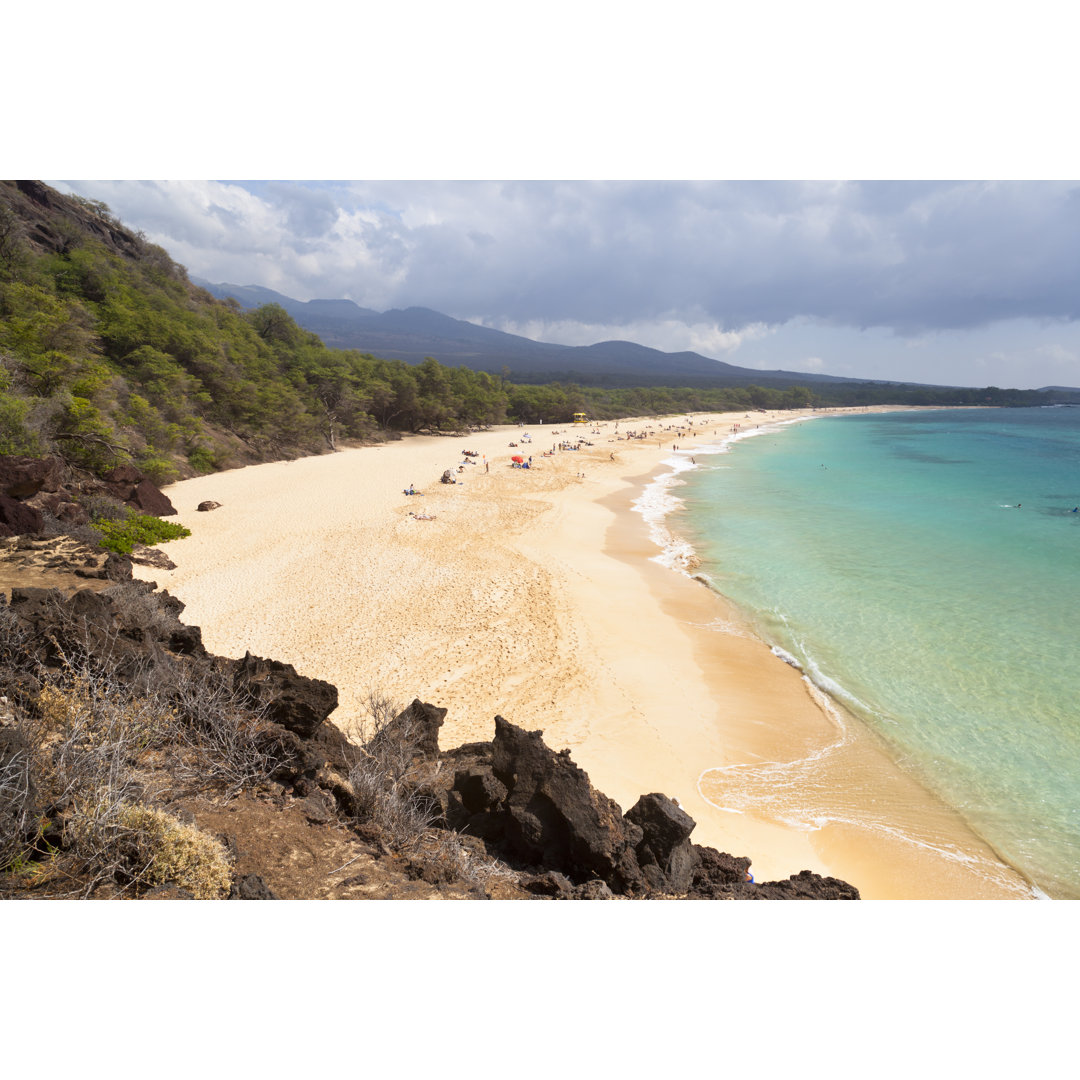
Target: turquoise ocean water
{"points": [[887, 557]]}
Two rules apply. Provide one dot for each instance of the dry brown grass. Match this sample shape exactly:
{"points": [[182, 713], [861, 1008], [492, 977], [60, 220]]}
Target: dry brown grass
{"points": [[171, 852], [105, 737], [391, 783]]}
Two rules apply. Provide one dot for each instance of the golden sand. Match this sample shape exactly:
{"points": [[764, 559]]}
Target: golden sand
{"points": [[530, 594]]}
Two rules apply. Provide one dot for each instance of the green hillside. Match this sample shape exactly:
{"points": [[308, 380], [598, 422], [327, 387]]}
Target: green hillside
{"points": [[109, 355]]}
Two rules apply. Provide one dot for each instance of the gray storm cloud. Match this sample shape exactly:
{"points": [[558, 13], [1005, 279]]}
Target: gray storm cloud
{"points": [[910, 257]]}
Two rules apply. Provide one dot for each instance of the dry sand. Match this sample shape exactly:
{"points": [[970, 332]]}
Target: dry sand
{"points": [[532, 595]]}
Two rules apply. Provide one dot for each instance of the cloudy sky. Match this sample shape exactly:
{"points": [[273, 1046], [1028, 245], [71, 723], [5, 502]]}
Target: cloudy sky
{"points": [[972, 283]]}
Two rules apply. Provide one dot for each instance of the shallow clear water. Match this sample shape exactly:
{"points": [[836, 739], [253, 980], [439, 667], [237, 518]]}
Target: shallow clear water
{"points": [[887, 556]]}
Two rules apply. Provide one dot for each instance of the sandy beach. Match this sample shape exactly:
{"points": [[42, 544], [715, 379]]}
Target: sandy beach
{"points": [[530, 593]]}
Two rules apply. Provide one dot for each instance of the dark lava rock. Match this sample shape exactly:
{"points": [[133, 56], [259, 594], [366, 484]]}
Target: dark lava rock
{"points": [[118, 567], [593, 890], [551, 883], [416, 727], [149, 556], [251, 887], [665, 853], [804, 885], [209, 504], [297, 703], [23, 477], [18, 519], [130, 486], [553, 817], [723, 877], [717, 876], [319, 807]]}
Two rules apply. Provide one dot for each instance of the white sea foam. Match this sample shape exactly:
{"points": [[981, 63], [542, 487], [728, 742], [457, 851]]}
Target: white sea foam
{"points": [[784, 655], [720, 625], [785, 793], [658, 501], [824, 688], [655, 504]]}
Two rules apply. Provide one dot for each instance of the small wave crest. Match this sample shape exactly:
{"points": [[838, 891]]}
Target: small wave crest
{"points": [[825, 689], [655, 504]]}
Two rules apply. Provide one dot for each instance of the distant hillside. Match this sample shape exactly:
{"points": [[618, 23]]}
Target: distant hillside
{"points": [[413, 333]]}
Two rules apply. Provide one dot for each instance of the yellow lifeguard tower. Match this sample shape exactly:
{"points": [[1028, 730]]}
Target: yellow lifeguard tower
{"points": [[581, 418]]}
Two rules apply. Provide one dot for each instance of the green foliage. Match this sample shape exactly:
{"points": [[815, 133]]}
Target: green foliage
{"points": [[15, 435], [202, 460], [122, 536], [160, 470]]}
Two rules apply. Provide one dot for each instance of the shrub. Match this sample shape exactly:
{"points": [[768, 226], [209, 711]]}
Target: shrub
{"points": [[19, 802], [203, 460], [122, 536], [160, 470], [389, 779], [105, 508], [225, 736], [166, 850]]}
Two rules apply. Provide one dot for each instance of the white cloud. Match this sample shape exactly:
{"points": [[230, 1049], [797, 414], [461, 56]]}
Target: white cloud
{"points": [[668, 335], [722, 269], [913, 257]]}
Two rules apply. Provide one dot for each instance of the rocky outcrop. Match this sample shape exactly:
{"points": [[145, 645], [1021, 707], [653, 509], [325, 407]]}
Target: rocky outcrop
{"points": [[298, 704], [151, 556], [31, 487], [18, 519], [513, 798], [23, 477], [128, 485], [418, 728], [537, 809], [665, 854], [48, 216]]}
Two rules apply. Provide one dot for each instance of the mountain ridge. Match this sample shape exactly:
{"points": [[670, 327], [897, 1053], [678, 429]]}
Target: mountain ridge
{"points": [[414, 333]]}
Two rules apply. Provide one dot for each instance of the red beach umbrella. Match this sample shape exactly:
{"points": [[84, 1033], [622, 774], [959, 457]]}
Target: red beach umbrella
{"points": [[517, 457]]}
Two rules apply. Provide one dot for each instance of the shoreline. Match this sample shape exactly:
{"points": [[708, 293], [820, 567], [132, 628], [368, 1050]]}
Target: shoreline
{"points": [[526, 596], [910, 845]]}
